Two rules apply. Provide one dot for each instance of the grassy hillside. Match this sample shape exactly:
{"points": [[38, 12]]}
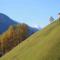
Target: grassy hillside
{"points": [[43, 45]]}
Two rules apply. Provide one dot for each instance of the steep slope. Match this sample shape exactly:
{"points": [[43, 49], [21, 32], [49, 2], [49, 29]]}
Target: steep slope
{"points": [[43, 45]]}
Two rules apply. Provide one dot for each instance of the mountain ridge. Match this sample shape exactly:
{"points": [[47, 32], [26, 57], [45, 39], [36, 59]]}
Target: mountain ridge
{"points": [[6, 21]]}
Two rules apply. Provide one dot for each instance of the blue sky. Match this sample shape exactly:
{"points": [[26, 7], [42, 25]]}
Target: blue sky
{"points": [[32, 12]]}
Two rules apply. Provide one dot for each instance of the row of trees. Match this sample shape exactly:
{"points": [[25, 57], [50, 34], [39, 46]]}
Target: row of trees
{"points": [[12, 37]]}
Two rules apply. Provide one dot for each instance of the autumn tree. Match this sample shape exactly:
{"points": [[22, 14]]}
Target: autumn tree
{"points": [[13, 36]]}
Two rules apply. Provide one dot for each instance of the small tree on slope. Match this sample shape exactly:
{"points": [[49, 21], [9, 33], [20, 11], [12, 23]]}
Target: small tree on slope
{"points": [[51, 19]]}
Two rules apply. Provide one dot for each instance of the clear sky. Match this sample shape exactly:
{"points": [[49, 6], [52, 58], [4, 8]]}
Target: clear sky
{"points": [[32, 12]]}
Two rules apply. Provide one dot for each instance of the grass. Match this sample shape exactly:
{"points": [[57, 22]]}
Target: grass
{"points": [[43, 45]]}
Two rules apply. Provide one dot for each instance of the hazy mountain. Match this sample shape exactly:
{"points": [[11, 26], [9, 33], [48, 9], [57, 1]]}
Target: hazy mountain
{"points": [[5, 22]]}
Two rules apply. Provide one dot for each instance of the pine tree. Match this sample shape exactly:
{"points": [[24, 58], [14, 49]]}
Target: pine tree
{"points": [[51, 19]]}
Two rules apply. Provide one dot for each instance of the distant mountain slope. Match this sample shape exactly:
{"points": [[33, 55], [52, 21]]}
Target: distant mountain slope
{"points": [[5, 22], [43, 45]]}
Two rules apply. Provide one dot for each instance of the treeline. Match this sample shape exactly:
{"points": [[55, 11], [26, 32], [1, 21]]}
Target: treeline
{"points": [[12, 37]]}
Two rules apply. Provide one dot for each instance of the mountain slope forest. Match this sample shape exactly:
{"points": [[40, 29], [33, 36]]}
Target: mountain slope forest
{"points": [[12, 33], [43, 45]]}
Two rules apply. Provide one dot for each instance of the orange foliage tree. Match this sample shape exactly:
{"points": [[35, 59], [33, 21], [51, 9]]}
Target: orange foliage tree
{"points": [[13, 36]]}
